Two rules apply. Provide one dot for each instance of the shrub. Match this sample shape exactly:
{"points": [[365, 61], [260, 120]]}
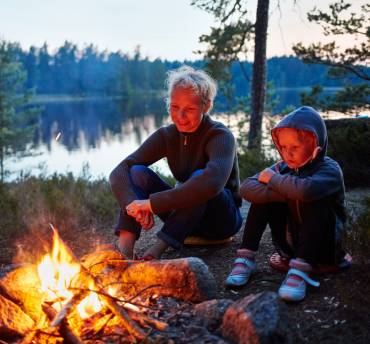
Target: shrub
{"points": [[349, 146], [76, 206], [251, 162], [358, 233]]}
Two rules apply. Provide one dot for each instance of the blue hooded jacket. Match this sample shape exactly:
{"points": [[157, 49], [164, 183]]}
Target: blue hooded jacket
{"points": [[319, 178]]}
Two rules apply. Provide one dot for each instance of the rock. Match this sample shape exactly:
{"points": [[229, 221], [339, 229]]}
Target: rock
{"points": [[257, 318], [13, 321], [211, 312], [187, 279], [22, 286]]}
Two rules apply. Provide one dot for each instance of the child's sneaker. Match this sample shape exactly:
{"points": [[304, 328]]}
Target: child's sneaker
{"points": [[244, 266], [294, 286]]}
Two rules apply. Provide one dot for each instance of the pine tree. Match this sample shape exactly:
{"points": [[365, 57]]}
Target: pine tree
{"points": [[228, 42], [349, 64], [16, 127]]}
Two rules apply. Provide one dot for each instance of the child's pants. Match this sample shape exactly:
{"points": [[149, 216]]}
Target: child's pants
{"points": [[313, 232], [219, 218]]}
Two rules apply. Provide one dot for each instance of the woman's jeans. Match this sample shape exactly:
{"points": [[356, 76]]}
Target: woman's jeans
{"points": [[313, 237], [219, 218]]}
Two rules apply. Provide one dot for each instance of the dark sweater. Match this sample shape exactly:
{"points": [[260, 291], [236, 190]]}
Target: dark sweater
{"points": [[211, 148]]}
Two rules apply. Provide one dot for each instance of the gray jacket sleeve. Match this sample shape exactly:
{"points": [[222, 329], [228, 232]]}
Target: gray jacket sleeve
{"points": [[325, 181], [255, 192]]}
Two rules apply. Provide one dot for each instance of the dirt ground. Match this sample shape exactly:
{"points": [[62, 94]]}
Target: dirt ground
{"points": [[337, 312]]}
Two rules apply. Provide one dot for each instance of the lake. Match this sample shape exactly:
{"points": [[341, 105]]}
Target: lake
{"points": [[99, 133]]}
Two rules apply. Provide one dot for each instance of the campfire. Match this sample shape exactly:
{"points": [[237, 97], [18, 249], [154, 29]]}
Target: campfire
{"points": [[76, 303], [100, 297]]}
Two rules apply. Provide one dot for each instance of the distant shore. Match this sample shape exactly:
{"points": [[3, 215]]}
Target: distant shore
{"points": [[63, 98]]}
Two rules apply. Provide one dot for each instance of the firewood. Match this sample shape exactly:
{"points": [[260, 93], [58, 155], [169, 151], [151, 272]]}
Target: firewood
{"points": [[31, 334], [67, 308], [22, 286], [187, 279], [65, 331], [117, 310], [13, 321], [145, 319]]}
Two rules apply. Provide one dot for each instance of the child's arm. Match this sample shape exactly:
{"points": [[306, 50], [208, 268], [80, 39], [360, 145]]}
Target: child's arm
{"points": [[255, 191], [327, 180]]}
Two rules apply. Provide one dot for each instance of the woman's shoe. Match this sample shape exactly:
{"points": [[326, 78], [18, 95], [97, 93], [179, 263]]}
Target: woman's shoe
{"points": [[241, 272]]}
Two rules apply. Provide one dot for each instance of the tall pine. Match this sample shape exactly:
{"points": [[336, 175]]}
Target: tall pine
{"points": [[16, 126]]}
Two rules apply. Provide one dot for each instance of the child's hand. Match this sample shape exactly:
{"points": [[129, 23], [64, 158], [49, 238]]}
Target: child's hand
{"points": [[265, 175]]}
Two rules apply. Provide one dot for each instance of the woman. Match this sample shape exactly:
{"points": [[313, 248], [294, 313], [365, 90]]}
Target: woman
{"points": [[201, 155]]}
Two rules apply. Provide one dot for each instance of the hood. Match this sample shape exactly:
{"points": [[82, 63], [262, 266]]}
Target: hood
{"points": [[305, 118]]}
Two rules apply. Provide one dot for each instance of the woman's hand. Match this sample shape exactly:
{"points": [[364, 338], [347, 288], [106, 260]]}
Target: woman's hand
{"points": [[265, 175], [138, 205], [146, 219], [141, 211]]}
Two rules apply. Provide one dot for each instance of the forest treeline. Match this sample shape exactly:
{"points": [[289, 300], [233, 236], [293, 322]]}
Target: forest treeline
{"points": [[88, 71]]}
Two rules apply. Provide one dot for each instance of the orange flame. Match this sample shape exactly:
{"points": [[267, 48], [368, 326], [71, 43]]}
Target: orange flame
{"points": [[56, 272]]}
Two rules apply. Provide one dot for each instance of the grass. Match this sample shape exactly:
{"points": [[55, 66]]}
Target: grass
{"points": [[73, 205]]}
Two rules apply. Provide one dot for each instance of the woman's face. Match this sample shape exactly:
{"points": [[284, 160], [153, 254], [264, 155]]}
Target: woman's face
{"points": [[186, 109]]}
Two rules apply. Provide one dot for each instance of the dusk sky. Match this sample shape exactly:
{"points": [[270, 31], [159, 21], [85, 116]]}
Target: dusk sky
{"points": [[163, 28]]}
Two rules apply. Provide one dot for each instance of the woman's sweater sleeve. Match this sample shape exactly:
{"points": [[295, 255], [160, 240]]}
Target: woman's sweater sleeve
{"points": [[150, 151]]}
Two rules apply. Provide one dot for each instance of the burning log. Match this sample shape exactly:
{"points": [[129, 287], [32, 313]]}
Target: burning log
{"points": [[22, 286], [13, 321], [187, 279]]}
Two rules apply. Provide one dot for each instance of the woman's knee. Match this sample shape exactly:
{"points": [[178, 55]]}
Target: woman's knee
{"points": [[139, 174]]}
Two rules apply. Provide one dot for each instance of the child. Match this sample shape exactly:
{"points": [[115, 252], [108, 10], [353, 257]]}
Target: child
{"points": [[301, 198]]}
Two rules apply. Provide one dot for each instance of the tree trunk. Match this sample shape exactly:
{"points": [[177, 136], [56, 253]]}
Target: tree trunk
{"points": [[1, 164], [259, 75]]}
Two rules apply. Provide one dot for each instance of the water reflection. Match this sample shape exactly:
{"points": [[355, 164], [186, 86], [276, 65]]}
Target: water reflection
{"points": [[88, 123], [101, 132], [97, 132]]}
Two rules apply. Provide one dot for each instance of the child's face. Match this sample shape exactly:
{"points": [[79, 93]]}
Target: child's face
{"points": [[295, 151]]}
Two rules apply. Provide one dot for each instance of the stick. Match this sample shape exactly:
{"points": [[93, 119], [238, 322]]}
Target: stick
{"points": [[67, 308], [142, 319], [63, 326]]}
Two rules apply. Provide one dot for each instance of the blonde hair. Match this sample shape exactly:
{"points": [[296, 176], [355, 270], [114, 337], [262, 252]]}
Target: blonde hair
{"points": [[199, 81]]}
